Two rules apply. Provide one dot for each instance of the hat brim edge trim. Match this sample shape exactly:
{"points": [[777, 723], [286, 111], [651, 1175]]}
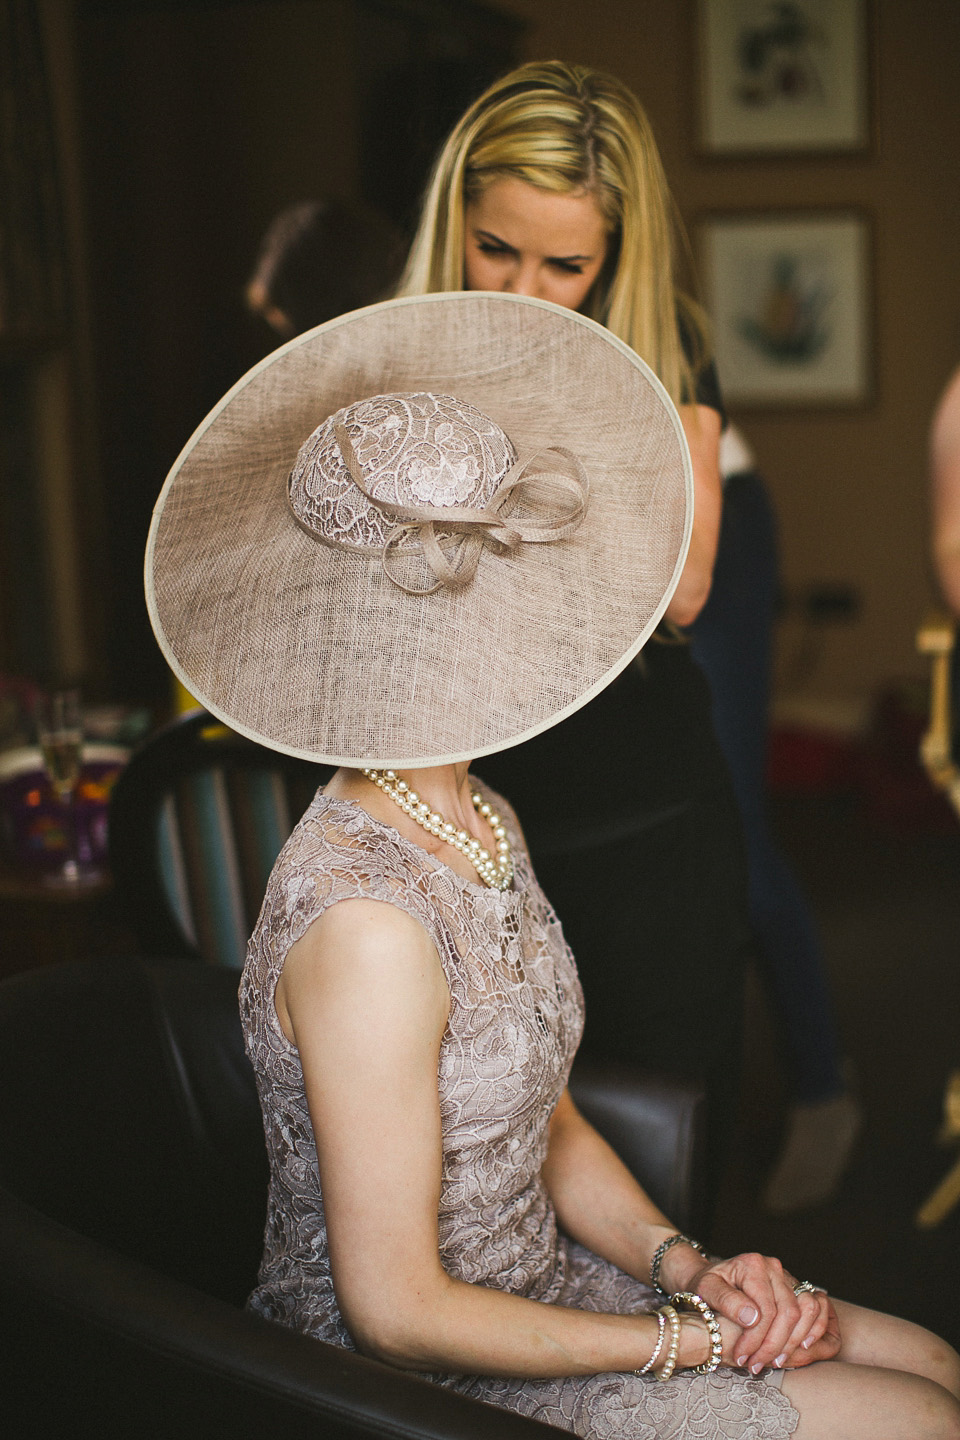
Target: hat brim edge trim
{"points": [[474, 752]]}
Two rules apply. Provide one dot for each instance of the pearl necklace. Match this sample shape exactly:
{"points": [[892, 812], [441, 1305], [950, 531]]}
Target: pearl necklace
{"points": [[497, 872]]}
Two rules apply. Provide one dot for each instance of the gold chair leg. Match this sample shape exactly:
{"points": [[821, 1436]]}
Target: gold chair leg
{"points": [[937, 638], [938, 1205], [947, 1194]]}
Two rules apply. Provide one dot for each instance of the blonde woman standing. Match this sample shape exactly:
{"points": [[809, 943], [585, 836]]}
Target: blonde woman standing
{"points": [[551, 186]]}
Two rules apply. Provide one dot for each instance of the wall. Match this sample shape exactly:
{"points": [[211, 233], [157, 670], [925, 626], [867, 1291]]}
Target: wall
{"points": [[199, 120], [850, 486]]}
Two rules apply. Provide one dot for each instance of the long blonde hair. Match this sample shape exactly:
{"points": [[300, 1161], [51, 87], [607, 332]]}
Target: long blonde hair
{"points": [[567, 128]]}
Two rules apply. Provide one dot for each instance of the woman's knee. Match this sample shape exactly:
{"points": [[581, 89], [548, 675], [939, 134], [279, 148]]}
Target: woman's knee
{"points": [[925, 1354], [944, 1365], [838, 1401], [944, 1413], [872, 1338]]}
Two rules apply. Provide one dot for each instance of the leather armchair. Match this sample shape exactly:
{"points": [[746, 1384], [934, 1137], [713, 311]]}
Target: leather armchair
{"points": [[132, 1190], [197, 818]]}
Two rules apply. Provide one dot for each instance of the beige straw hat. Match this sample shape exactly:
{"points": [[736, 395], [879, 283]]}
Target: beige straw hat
{"points": [[471, 550]]}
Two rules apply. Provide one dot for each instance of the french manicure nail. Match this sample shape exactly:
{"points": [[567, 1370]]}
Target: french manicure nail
{"points": [[741, 1361], [755, 1368], [747, 1315], [779, 1361], [808, 1342]]}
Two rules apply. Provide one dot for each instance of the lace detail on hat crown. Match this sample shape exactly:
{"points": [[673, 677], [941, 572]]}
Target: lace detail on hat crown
{"points": [[421, 449]]}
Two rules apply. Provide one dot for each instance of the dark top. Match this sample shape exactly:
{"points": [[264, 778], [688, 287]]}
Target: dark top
{"points": [[635, 837], [642, 747], [707, 388], [708, 391]]}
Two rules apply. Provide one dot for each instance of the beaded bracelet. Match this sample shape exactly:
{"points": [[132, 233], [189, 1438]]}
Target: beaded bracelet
{"points": [[662, 1249], [686, 1299], [661, 1331], [673, 1349]]}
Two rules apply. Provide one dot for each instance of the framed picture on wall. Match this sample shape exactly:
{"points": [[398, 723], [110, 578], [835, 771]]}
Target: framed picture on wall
{"points": [[789, 297], [782, 76]]}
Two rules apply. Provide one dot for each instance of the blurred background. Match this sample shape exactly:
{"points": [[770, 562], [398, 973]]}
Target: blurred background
{"points": [[145, 147], [152, 141]]}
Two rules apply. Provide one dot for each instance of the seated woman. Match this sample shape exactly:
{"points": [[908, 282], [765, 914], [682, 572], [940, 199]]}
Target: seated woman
{"points": [[425, 531]]}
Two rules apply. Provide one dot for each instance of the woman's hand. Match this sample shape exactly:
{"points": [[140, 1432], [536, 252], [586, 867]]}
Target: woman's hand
{"points": [[779, 1327], [817, 1344], [695, 1346]]}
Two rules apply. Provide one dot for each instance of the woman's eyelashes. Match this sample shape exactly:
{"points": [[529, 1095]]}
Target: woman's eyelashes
{"points": [[489, 247], [566, 267]]}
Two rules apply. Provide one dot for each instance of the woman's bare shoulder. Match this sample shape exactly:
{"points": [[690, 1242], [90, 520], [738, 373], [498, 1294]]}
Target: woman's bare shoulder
{"points": [[367, 954]]}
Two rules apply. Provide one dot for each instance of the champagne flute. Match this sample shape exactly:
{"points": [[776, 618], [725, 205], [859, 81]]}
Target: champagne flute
{"points": [[59, 723]]}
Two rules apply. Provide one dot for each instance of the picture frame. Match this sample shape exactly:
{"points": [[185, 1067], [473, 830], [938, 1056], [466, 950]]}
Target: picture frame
{"points": [[782, 76], [789, 296]]}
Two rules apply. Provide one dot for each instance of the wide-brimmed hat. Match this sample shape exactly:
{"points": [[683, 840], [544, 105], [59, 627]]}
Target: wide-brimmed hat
{"points": [[424, 531]]}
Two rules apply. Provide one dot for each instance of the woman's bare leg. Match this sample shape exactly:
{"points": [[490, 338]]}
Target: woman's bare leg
{"points": [[871, 1338], [859, 1402], [891, 1381]]}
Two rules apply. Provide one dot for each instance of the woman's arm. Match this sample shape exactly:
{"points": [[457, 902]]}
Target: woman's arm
{"points": [[701, 425], [600, 1204], [597, 1200], [364, 999]]}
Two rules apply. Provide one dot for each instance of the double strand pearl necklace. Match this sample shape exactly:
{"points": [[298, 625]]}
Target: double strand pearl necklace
{"points": [[495, 871]]}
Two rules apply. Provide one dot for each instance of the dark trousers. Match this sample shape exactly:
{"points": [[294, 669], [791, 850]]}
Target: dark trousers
{"points": [[731, 641]]}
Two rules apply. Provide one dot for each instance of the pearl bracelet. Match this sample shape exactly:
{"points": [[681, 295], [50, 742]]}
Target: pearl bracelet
{"points": [[673, 1349], [687, 1300], [661, 1331], [662, 1249]]}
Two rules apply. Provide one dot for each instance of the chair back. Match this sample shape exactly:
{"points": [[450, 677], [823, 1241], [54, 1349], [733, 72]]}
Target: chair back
{"points": [[197, 820], [133, 1180], [129, 1112]]}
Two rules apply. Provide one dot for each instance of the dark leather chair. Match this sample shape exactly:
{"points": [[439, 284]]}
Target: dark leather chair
{"points": [[197, 819], [132, 1190]]}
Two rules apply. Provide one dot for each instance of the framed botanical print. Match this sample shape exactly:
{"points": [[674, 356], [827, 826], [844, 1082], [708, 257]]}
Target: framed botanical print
{"points": [[782, 76], [789, 297]]}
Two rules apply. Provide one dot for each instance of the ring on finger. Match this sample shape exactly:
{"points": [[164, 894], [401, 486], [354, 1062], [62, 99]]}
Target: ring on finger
{"points": [[806, 1287]]}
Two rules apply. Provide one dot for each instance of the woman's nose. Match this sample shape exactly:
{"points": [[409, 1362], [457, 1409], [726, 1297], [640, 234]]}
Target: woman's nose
{"points": [[525, 280]]}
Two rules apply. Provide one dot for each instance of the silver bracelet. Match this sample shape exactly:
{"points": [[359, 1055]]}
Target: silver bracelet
{"points": [[662, 1328], [662, 1249], [688, 1300]]}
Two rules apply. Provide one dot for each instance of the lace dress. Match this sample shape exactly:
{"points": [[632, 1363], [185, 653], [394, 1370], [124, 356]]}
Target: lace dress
{"points": [[516, 1015]]}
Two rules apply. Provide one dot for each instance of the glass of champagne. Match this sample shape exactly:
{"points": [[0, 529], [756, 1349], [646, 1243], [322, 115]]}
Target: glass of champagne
{"points": [[59, 723]]}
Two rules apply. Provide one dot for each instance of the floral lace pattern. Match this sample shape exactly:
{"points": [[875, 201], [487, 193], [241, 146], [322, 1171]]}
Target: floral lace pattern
{"points": [[516, 1014], [415, 449]]}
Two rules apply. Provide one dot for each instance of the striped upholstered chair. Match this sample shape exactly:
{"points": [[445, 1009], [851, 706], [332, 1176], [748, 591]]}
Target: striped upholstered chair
{"points": [[197, 819]]}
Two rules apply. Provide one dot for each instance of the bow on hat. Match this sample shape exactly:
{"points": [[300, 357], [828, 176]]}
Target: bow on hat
{"points": [[555, 517]]}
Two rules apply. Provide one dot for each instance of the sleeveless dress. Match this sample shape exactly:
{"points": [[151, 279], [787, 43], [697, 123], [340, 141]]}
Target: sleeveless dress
{"points": [[516, 1014]]}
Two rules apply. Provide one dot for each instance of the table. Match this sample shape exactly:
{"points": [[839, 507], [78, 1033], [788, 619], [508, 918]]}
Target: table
{"points": [[42, 924]]}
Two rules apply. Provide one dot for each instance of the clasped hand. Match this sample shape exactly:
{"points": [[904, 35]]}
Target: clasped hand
{"points": [[773, 1325]]}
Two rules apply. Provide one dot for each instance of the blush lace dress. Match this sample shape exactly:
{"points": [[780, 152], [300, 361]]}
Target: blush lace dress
{"points": [[515, 1020]]}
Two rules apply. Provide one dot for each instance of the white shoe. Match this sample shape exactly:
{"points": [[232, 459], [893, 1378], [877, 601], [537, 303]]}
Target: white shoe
{"points": [[816, 1148]]}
